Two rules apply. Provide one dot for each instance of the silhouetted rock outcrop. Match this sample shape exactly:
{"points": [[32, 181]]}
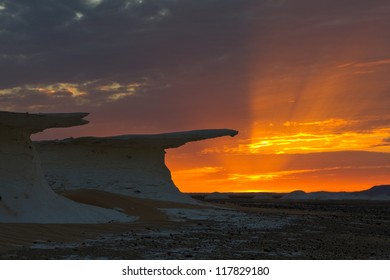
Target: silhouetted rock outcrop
{"points": [[377, 191], [374, 193]]}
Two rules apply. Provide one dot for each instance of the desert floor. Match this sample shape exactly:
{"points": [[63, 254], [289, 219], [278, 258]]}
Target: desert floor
{"points": [[239, 229]]}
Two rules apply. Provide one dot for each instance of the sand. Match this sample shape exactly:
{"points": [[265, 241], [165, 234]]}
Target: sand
{"points": [[19, 235]]}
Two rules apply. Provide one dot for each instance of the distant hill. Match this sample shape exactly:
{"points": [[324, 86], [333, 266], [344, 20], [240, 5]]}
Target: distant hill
{"points": [[377, 190], [381, 192]]}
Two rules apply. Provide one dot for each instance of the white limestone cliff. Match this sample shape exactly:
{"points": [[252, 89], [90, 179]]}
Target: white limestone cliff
{"points": [[25, 196], [132, 165]]}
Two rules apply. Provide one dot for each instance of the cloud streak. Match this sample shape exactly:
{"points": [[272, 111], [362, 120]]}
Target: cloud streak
{"points": [[285, 172], [91, 93]]}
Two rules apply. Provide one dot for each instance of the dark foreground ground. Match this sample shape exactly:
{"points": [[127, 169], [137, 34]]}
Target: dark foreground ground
{"points": [[275, 229]]}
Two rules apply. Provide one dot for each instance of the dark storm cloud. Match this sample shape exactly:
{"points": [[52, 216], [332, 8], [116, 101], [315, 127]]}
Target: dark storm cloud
{"points": [[73, 41], [190, 53]]}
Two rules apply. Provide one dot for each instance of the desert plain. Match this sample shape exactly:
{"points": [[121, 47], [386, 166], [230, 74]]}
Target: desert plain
{"points": [[234, 227]]}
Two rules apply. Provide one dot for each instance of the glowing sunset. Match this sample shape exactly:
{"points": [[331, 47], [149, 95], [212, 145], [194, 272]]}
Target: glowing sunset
{"points": [[185, 130], [305, 84]]}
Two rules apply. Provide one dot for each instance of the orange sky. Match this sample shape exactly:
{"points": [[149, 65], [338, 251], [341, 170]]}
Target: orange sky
{"points": [[310, 100], [299, 133]]}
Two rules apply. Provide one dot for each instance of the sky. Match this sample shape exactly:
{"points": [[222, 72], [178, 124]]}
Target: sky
{"points": [[306, 83]]}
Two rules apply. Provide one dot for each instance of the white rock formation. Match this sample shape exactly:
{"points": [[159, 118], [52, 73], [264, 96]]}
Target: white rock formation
{"points": [[131, 164], [25, 196]]}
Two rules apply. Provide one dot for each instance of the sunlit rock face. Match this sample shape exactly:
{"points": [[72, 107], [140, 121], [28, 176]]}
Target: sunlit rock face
{"points": [[25, 196], [132, 165]]}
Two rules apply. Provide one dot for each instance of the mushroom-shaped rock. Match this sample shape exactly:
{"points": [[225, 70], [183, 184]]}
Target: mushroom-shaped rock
{"points": [[25, 196], [132, 165]]}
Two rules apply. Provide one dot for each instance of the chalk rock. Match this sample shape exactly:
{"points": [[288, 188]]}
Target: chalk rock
{"points": [[25, 196], [132, 165]]}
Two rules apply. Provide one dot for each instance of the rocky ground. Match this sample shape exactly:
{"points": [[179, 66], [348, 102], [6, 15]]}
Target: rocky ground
{"points": [[256, 229]]}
